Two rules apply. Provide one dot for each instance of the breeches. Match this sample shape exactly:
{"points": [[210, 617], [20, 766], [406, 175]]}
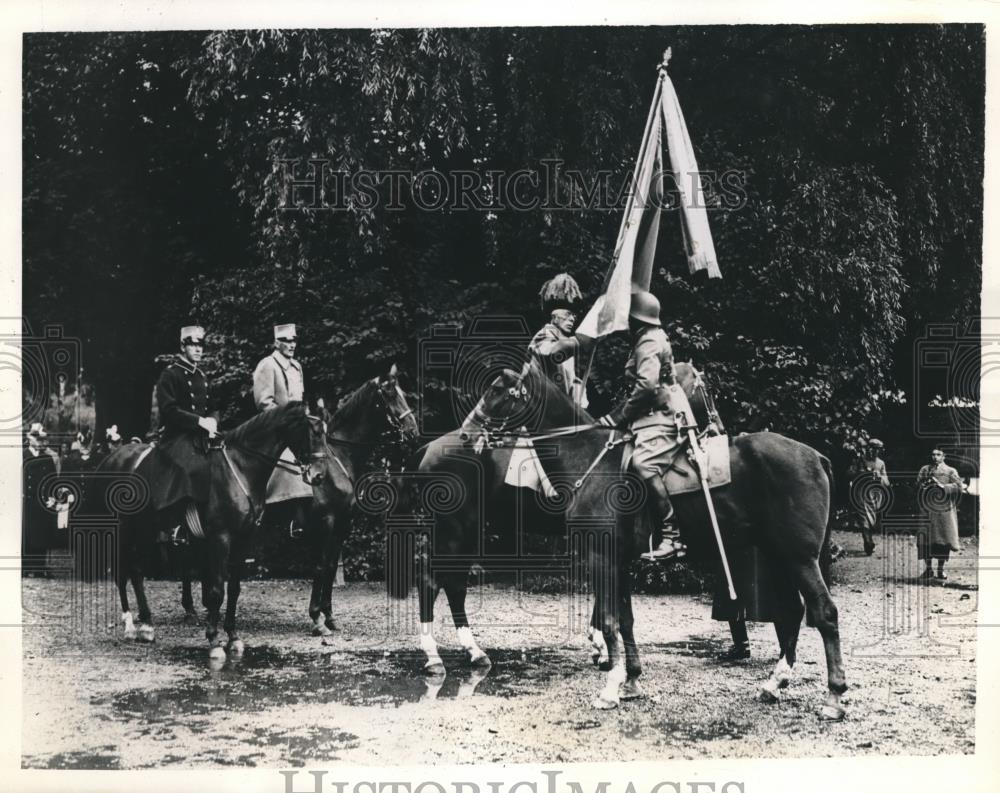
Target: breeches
{"points": [[654, 449]]}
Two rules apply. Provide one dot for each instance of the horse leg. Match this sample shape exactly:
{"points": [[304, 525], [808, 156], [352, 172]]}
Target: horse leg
{"points": [[331, 538], [606, 611], [823, 616], [599, 649], [211, 589], [146, 632], [633, 667], [236, 563], [427, 592], [121, 577], [787, 630], [455, 590]]}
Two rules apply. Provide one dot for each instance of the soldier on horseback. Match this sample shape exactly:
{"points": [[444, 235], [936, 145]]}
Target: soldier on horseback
{"points": [[185, 426], [278, 380], [650, 415], [554, 347]]}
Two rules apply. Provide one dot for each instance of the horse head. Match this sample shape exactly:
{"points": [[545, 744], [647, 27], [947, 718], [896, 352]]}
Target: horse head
{"points": [[398, 412]]}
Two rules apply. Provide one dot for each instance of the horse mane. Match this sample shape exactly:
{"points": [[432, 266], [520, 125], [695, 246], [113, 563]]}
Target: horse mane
{"points": [[266, 422], [351, 407]]}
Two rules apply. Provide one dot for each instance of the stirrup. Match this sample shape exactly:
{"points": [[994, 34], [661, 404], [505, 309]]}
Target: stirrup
{"points": [[176, 536], [295, 530], [675, 550]]}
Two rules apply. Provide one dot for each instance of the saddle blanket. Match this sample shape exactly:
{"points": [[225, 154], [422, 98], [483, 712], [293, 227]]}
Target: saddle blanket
{"points": [[684, 476]]}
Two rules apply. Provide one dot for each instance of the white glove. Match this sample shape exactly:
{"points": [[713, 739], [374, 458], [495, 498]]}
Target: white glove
{"points": [[606, 421], [210, 425]]}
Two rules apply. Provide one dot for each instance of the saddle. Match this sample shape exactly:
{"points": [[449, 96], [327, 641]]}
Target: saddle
{"points": [[684, 476]]}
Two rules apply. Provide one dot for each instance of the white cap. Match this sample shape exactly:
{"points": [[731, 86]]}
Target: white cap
{"points": [[193, 332], [284, 332], [37, 430], [111, 433]]}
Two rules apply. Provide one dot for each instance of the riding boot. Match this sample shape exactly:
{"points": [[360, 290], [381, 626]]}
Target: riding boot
{"points": [[740, 650], [668, 544]]}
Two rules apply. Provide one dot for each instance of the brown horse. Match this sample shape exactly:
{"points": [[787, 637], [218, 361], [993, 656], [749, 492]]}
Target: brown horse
{"points": [[240, 466], [780, 500], [462, 482], [362, 417]]}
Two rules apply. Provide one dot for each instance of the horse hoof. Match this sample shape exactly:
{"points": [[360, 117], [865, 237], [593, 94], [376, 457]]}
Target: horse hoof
{"points": [[191, 618], [146, 633], [600, 703], [321, 630], [481, 661], [129, 632], [217, 653], [832, 713], [631, 689], [604, 664], [768, 695], [330, 624], [434, 669], [236, 647]]}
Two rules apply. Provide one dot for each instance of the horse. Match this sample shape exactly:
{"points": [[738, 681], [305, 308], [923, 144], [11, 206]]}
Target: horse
{"points": [[240, 464], [351, 430], [468, 477], [779, 500]]}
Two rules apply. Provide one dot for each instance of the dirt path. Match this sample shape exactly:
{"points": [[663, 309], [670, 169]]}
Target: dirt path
{"points": [[95, 700]]}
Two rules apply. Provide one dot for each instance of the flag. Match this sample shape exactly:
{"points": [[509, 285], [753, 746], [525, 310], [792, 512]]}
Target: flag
{"points": [[632, 265]]}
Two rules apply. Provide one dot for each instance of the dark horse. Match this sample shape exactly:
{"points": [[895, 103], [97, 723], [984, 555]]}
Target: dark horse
{"points": [[356, 425], [468, 479], [240, 466], [378, 404], [779, 501]]}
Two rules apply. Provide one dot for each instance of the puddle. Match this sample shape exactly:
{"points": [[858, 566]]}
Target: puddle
{"points": [[694, 647], [100, 760], [718, 729], [266, 677]]}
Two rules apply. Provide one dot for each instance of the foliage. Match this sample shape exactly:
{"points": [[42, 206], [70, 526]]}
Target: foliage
{"points": [[157, 186]]}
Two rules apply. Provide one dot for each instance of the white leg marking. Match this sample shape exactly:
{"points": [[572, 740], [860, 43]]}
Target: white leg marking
{"points": [[128, 625], [468, 642], [429, 645], [611, 693], [780, 678]]}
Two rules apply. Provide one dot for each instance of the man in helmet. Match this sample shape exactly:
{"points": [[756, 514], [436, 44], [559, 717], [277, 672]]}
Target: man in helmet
{"points": [[278, 380], [649, 414], [868, 495], [554, 348]]}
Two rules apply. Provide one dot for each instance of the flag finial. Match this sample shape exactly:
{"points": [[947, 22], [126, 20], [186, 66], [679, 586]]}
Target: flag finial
{"points": [[666, 60]]}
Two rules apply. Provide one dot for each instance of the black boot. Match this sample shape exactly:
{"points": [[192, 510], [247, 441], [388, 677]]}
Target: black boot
{"points": [[668, 544], [740, 650]]}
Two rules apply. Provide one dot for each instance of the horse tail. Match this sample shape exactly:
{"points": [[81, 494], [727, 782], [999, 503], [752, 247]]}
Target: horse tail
{"points": [[825, 557]]}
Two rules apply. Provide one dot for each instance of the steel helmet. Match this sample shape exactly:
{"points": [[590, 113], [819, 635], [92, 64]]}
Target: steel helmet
{"points": [[875, 443], [645, 308]]}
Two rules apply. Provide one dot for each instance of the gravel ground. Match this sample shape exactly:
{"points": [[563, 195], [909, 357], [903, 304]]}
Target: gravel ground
{"points": [[94, 700]]}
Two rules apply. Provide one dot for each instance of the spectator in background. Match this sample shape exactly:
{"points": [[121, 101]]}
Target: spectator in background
{"points": [[868, 480], [38, 523], [938, 490]]}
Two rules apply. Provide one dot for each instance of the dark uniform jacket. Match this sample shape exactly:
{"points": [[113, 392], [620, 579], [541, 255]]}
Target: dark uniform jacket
{"points": [[182, 398], [650, 367], [39, 522]]}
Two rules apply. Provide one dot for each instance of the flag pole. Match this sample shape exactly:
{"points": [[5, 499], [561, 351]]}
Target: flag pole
{"points": [[630, 200]]}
